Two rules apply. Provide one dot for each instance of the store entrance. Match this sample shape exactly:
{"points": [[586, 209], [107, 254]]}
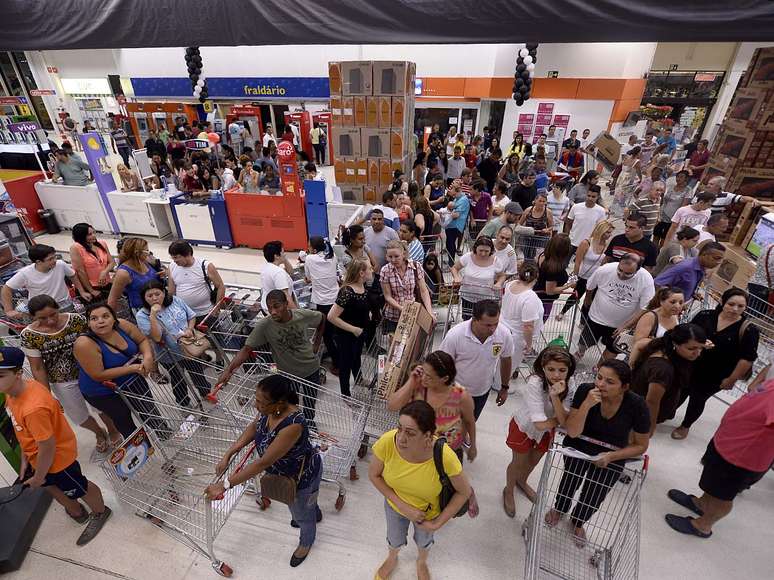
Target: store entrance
{"points": [[462, 118]]}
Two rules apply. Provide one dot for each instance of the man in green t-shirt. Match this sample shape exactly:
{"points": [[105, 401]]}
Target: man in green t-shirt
{"points": [[285, 332]]}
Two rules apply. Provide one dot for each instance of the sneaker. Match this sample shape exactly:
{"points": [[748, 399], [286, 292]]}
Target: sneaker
{"points": [[81, 518], [96, 521]]}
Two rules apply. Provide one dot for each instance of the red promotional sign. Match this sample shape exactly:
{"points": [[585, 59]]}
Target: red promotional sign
{"points": [[561, 120], [42, 92], [544, 119], [545, 108], [197, 144], [525, 130], [526, 118], [246, 110], [286, 152]]}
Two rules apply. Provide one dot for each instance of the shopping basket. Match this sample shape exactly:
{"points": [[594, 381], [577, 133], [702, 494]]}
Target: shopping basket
{"points": [[612, 545]]}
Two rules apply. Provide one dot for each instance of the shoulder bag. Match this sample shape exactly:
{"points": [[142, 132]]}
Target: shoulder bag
{"points": [[447, 489], [281, 488], [194, 346], [213, 290]]}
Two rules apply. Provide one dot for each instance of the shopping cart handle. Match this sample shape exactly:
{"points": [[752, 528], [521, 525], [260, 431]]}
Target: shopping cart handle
{"points": [[110, 385], [239, 468], [212, 396]]}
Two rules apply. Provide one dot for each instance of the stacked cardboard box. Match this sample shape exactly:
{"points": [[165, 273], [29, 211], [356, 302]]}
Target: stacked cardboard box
{"points": [[415, 327], [743, 151], [372, 105]]}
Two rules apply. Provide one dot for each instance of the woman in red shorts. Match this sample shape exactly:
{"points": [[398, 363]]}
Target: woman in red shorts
{"points": [[545, 403]]}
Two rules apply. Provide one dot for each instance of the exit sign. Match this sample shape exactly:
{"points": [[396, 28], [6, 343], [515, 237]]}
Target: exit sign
{"points": [[553, 74], [674, 66]]}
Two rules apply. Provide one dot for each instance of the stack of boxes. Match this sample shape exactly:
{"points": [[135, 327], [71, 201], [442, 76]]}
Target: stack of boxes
{"points": [[372, 104]]}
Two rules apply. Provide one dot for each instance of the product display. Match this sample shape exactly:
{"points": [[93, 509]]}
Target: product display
{"points": [[372, 105]]}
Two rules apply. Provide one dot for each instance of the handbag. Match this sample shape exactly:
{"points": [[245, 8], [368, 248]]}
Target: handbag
{"points": [[194, 346], [281, 488], [447, 489], [213, 290]]}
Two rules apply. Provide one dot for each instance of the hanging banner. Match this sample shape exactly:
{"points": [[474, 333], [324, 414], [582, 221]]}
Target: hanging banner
{"points": [[236, 87], [543, 119], [97, 157], [526, 119], [562, 120], [545, 108]]}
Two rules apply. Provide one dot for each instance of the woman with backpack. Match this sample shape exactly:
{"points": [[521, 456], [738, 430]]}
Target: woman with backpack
{"points": [[404, 470]]}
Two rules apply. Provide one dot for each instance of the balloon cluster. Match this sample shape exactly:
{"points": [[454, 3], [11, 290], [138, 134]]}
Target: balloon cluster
{"points": [[193, 59], [525, 70]]}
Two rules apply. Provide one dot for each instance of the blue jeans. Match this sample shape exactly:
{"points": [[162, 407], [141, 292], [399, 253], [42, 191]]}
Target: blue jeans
{"points": [[304, 508], [397, 530]]}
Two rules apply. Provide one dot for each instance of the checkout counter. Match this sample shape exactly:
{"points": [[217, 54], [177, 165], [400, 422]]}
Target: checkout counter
{"points": [[73, 204], [202, 220], [257, 218], [144, 213]]}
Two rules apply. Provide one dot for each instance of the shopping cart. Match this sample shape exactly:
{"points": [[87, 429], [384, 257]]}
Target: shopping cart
{"points": [[612, 545], [231, 320], [163, 468], [463, 298], [530, 247], [336, 422]]}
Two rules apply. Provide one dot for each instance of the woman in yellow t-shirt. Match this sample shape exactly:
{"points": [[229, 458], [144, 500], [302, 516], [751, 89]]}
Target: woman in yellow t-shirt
{"points": [[404, 472]]}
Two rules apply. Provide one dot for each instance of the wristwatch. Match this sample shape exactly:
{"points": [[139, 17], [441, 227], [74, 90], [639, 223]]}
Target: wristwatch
{"points": [[226, 483]]}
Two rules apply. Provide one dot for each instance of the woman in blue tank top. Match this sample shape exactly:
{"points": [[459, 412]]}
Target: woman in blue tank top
{"points": [[110, 351], [133, 273]]}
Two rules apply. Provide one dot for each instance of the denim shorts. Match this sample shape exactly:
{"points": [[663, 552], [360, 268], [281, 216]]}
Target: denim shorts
{"points": [[397, 530]]}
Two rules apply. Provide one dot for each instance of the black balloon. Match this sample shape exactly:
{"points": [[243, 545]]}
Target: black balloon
{"points": [[532, 45], [526, 95], [523, 89], [519, 81], [525, 75], [521, 68], [519, 101], [519, 60]]}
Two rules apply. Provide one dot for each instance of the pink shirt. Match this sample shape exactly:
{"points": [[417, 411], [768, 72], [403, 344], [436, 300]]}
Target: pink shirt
{"points": [[687, 216], [745, 437]]}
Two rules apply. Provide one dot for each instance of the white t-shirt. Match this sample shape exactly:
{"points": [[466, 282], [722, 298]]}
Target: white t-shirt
{"points": [[324, 277], [534, 406], [273, 278], [704, 235], [191, 287], [268, 139], [478, 278], [228, 179], [583, 221], [617, 300], [507, 260], [476, 361], [519, 309], [51, 283], [687, 216]]}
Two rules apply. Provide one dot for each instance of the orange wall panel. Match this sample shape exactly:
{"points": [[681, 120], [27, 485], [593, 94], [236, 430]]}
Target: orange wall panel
{"points": [[622, 108], [554, 88], [602, 89], [478, 87], [443, 86], [634, 89]]}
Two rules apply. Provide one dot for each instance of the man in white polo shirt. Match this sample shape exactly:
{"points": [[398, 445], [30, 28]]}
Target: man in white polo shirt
{"points": [[476, 347]]}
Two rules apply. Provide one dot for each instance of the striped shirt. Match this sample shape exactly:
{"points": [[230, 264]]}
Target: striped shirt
{"points": [[648, 209], [416, 251], [558, 208]]}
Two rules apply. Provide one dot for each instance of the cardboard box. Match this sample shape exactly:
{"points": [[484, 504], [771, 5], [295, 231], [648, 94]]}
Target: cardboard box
{"points": [[398, 165], [347, 112], [409, 341], [357, 77], [350, 167], [735, 270], [340, 170], [334, 77], [361, 171], [384, 112], [375, 142], [385, 174], [370, 193], [398, 111], [346, 141], [371, 112], [359, 108], [390, 77], [336, 111], [608, 149], [396, 144], [352, 193], [373, 172]]}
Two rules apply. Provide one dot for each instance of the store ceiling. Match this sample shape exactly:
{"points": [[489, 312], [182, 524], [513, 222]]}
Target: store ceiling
{"points": [[83, 24]]}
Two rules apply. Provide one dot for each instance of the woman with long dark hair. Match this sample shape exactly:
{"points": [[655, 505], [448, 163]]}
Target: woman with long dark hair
{"points": [[132, 274], [321, 271], [91, 261], [664, 368], [732, 347], [662, 315], [553, 278]]}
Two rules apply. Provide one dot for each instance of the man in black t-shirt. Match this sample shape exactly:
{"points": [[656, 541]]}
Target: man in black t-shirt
{"points": [[525, 191], [633, 241]]}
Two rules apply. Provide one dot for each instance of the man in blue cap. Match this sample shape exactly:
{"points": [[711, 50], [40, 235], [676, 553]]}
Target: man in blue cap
{"points": [[48, 445]]}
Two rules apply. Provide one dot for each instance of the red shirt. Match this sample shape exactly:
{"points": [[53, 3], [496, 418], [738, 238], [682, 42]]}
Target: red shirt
{"points": [[470, 160], [697, 159], [745, 437]]}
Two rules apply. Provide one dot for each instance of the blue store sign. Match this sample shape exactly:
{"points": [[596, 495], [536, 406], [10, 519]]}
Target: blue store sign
{"points": [[236, 87]]}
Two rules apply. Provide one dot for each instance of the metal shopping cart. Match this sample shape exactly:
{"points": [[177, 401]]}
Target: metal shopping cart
{"points": [[336, 422], [463, 298], [231, 320], [164, 467], [612, 545], [530, 247]]}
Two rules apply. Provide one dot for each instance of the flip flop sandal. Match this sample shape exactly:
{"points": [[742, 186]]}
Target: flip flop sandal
{"points": [[508, 511], [685, 500], [684, 526]]}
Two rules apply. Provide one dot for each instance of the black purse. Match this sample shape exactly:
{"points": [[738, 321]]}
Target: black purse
{"points": [[447, 489]]}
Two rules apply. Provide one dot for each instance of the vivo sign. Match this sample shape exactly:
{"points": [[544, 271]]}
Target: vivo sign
{"points": [[26, 127]]}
